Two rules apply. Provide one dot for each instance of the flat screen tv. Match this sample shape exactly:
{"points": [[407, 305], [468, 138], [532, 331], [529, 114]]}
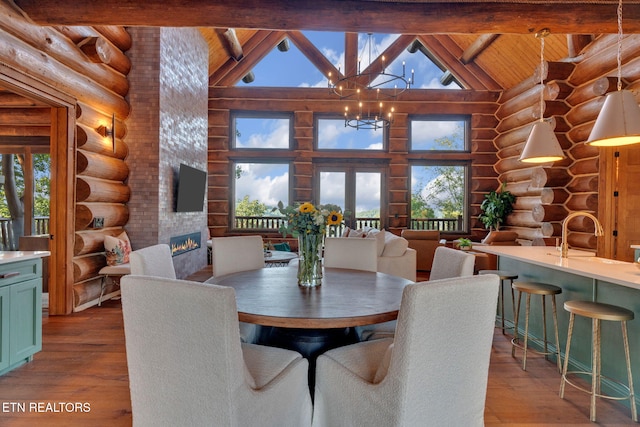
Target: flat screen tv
{"points": [[192, 184]]}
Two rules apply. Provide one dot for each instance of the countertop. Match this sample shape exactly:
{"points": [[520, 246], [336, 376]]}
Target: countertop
{"points": [[7, 257], [579, 262]]}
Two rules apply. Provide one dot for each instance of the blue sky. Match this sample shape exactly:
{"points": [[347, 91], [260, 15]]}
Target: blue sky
{"points": [[268, 183]]}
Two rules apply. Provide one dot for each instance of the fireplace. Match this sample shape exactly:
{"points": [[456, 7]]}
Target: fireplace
{"points": [[185, 243]]}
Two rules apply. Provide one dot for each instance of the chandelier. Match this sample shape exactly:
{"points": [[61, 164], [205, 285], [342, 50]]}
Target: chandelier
{"points": [[370, 94]]}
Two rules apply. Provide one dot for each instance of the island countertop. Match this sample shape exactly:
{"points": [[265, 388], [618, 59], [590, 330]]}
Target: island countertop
{"points": [[7, 257], [579, 262]]}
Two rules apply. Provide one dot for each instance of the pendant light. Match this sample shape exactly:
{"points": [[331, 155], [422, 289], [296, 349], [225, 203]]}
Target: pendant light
{"points": [[542, 146], [619, 120]]}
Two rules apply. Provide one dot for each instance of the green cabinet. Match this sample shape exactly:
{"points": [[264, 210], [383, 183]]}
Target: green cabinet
{"points": [[20, 312]]}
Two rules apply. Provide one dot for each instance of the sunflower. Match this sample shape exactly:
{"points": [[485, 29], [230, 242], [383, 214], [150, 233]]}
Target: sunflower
{"points": [[334, 218], [307, 208]]}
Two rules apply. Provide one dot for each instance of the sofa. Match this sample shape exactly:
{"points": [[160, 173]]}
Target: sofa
{"points": [[425, 243], [395, 257]]}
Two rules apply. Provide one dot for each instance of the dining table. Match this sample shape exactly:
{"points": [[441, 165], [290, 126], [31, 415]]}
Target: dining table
{"points": [[313, 320]]}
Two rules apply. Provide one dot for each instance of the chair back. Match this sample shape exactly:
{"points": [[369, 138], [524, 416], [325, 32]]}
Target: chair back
{"points": [[237, 253], [352, 253], [449, 263], [154, 261], [447, 386], [183, 351]]}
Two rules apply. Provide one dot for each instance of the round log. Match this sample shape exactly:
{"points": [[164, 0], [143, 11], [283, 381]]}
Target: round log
{"points": [[484, 184], [581, 224], [483, 146], [552, 70], [547, 213], [586, 112], [584, 184], [117, 35], [525, 99], [585, 166], [529, 233], [87, 267], [482, 171], [523, 188], [550, 177], [114, 214], [602, 61], [97, 190], [88, 291], [553, 195], [583, 202], [100, 50], [484, 158], [516, 175], [526, 203], [516, 90], [580, 133], [100, 166], [91, 241], [25, 116], [582, 151], [483, 121], [92, 119], [589, 91], [523, 117], [90, 140], [522, 219], [582, 241], [513, 136], [479, 134], [510, 164]]}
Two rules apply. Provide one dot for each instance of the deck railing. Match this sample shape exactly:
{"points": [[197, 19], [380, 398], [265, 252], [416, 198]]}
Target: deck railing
{"points": [[8, 242], [273, 223]]}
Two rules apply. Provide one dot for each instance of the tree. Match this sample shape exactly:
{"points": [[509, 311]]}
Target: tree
{"points": [[246, 207]]}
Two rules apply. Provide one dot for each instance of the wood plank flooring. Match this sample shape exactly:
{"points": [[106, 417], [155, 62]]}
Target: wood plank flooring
{"points": [[83, 363]]}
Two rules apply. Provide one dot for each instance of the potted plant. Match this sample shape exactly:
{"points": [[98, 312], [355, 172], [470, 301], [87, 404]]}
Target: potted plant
{"points": [[464, 244], [496, 206]]}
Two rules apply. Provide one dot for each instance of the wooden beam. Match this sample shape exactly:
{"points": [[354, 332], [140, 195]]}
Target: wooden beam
{"points": [[568, 17], [231, 43], [312, 53], [255, 41], [477, 47]]}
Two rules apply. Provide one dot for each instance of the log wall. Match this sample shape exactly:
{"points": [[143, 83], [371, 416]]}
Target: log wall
{"points": [[89, 65]]}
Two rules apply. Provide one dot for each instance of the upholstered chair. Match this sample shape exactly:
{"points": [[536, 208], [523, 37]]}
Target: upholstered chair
{"points": [[355, 254], [449, 263], [187, 366], [153, 261], [237, 253], [434, 372]]}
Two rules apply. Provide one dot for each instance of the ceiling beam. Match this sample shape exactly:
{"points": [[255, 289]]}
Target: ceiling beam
{"points": [[527, 17], [477, 47], [230, 41]]}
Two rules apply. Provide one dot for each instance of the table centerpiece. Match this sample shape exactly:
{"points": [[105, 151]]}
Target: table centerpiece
{"points": [[309, 224]]}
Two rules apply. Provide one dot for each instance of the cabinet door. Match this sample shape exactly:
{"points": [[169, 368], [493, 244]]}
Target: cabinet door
{"points": [[4, 328], [26, 319]]}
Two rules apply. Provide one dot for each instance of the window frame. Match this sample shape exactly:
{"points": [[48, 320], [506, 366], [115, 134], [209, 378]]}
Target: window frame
{"points": [[466, 118], [316, 136], [266, 115]]}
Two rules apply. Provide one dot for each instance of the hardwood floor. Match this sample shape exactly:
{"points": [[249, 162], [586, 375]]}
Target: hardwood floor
{"points": [[83, 363]]}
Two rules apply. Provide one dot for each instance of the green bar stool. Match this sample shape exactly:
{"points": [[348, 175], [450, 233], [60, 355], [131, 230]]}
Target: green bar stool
{"points": [[597, 311], [504, 275], [544, 290]]}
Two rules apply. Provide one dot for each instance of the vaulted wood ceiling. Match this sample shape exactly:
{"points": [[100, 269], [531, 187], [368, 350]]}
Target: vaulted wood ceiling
{"points": [[486, 45]]}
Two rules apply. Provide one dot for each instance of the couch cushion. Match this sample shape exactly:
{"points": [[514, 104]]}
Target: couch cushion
{"points": [[117, 249], [380, 239], [394, 245]]}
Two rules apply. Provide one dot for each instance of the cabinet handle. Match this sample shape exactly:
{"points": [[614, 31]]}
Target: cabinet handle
{"points": [[9, 274]]}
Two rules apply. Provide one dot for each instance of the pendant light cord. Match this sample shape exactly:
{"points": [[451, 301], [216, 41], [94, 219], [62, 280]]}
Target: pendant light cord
{"points": [[619, 45], [541, 78]]}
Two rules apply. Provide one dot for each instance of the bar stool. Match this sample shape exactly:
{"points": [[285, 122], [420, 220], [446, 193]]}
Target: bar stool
{"points": [[598, 311], [504, 275], [542, 289]]}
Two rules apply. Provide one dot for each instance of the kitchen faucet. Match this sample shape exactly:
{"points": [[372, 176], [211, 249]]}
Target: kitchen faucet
{"points": [[565, 245]]}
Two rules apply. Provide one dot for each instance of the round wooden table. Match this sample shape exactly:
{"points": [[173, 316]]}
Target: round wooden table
{"points": [[347, 298]]}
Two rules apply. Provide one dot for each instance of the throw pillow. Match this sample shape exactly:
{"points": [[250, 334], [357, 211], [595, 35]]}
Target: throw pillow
{"points": [[379, 236], [345, 232], [117, 249], [356, 233], [394, 245]]}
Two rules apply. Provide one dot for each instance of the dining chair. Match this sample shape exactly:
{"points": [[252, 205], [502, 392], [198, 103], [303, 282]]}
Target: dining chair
{"points": [[352, 253], [187, 367], [235, 254], [448, 263], [153, 260], [433, 372]]}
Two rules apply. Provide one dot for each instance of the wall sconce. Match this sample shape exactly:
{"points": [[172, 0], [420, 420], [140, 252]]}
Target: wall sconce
{"points": [[105, 132]]}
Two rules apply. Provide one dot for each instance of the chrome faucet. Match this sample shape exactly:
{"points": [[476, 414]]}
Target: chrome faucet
{"points": [[565, 245]]}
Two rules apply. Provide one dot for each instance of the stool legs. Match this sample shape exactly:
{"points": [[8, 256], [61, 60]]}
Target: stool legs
{"points": [[596, 367], [545, 351]]}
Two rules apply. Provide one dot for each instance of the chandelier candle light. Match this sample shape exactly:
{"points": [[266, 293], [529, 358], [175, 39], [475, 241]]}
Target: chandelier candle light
{"points": [[368, 94]]}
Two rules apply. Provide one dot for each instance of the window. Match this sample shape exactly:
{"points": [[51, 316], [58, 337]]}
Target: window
{"points": [[258, 187], [440, 133], [438, 197], [334, 135], [267, 131]]}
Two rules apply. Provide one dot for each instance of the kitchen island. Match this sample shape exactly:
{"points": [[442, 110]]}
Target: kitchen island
{"points": [[582, 276], [20, 307]]}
